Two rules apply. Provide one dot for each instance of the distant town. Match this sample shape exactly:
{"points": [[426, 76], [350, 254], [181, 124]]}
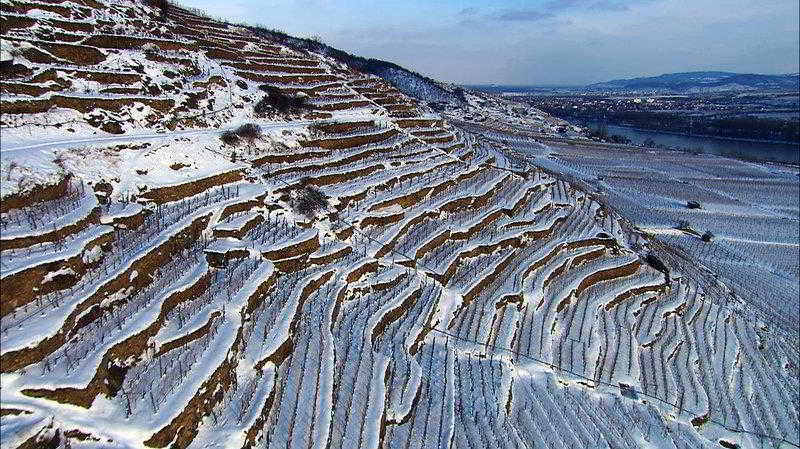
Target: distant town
{"points": [[719, 104], [763, 116]]}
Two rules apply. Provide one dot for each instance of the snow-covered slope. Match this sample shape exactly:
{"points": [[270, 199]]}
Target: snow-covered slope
{"points": [[357, 273]]}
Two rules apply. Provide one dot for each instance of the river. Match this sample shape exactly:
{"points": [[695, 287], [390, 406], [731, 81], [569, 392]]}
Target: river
{"points": [[743, 149]]}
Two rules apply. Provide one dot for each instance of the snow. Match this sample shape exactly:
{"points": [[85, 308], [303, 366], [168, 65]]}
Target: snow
{"points": [[21, 259], [534, 354]]}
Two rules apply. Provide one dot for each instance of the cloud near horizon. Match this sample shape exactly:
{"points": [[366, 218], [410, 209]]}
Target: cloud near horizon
{"points": [[551, 8], [542, 42]]}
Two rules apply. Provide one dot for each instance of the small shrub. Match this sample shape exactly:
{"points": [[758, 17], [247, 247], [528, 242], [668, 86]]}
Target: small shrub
{"points": [[261, 107], [161, 5], [241, 84], [278, 100], [229, 138], [309, 199], [657, 264], [249, 132], [11, 167], [150, 48], [620, 139], [707, 236]]}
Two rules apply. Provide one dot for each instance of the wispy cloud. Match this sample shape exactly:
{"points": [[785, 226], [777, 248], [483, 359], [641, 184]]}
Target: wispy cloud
{"points": [[524, 15], [544, 41], [471, 11], [556, 7]]}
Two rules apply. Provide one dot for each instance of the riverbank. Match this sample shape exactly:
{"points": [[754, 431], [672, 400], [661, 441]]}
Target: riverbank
{"points": [[678, 133], [749, 150]]}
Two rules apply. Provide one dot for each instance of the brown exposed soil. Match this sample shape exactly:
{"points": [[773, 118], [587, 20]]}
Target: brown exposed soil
{"points": [[607, 274], [588, 257], [40, 193], [382, 220], [358, 273], [395, 314], [83, 104], [404, 230], [264, 67], [698, 421], [241, 207], [89, 75], [123, 42], [169, 194], [8, 23], [145, 266], [13, 412], [52, 236], [405, 201], [343, 143], [302, 248], [342, 106], [337, 163], [239, 233], [190, 337], [25, 286], [419, 123], [432, 244], [337, 178], [332, 257], [75, 54], [288, 158], [342, 127], [31, 90], [183, 428], [286, 347], [43, 440], [278, 79], [132, 346], [221, 259], [634, 292], [292, 264], [435, 140], [476, 290], [24, 7], [556, 273]]}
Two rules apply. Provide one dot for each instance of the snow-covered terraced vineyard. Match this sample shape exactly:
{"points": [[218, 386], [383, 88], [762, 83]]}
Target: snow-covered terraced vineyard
{"points": [[750, 213], [363, 274]]}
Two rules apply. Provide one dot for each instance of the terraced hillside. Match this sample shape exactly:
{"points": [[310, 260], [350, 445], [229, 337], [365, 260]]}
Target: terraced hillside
{"points": [[354, 271]]}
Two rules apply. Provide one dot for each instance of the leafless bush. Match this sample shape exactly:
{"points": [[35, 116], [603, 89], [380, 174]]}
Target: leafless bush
{"points": [[279, 101], [161, 5], [309, 199], [249, 132], [11, 167], [150, 48], [229, 138]]}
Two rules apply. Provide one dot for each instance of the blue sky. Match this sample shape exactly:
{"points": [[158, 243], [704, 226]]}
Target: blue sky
{"points": [[542, 41]]}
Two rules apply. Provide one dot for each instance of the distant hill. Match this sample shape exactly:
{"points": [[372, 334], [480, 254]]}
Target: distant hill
{"points": [[703, 81]]}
